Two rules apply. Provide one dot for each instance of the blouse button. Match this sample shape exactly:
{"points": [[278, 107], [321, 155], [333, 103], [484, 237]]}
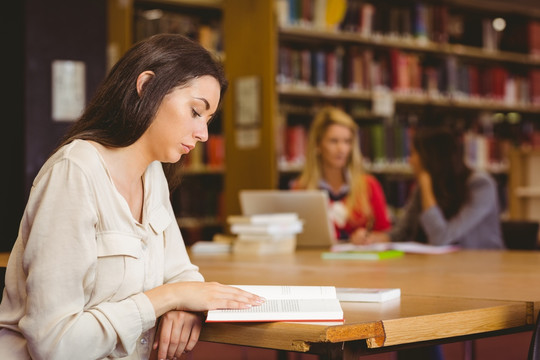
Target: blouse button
{"points": [[144, 341]]}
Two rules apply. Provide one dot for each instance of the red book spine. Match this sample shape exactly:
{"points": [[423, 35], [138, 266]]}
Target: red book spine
{"points": [[216, 150], [295, 147], [331, 69], [535, 86], [474, 81], [534, 38]]}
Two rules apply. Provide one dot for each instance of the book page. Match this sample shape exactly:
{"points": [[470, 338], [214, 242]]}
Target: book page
{"points": [[283, 310], [290, 292]]}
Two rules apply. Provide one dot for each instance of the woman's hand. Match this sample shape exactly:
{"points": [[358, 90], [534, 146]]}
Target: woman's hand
{"points": [[177, 334], [200, 296]]}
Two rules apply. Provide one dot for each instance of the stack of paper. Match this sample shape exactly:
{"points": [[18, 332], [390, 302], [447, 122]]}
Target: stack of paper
{"points": [[410, 247], [265, 233]]}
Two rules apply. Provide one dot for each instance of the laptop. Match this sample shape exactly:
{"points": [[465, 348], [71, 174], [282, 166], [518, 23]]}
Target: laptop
{"points": [[310, 205]]}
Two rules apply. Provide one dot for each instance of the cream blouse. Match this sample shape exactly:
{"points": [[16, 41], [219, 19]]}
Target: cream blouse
{"points": [[77, 272]]}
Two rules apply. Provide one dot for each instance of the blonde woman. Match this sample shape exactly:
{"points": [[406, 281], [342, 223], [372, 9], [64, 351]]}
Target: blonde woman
{"points": [[333, 163]]}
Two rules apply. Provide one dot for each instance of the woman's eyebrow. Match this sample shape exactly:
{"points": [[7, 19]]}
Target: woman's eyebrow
{"points": [[205, 102]]}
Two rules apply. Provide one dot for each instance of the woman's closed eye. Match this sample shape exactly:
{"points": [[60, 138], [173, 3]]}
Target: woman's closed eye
{"points": [[194, 113]]}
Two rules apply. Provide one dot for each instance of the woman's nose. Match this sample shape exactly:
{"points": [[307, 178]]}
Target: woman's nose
{"points": [[201, 134]]}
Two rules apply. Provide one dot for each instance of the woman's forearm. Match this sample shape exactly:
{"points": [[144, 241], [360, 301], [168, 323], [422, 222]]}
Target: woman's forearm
{"points": [[426, 191]]}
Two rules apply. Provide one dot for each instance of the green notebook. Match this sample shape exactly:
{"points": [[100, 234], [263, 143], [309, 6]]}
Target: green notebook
{"points": [[362, 255]]}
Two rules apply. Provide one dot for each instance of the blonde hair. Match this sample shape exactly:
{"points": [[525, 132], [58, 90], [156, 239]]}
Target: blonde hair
{"points": [[309, 178]]}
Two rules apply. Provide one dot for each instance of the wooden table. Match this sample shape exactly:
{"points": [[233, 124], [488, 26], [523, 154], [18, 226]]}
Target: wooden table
{"points": [[445, 298]]}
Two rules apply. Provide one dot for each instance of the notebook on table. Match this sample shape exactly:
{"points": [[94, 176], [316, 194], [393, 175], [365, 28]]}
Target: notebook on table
{"points": [[310, 205]]}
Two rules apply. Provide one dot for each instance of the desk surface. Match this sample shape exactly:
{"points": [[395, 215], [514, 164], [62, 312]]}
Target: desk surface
{"points": [[467, 293], [444, 297]]}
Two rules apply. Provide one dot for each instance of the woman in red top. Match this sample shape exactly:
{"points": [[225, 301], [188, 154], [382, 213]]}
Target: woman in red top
{"points": [[334, 163]]}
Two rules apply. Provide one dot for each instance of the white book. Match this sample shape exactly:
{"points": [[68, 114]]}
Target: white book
{"points": [[270, 218], [272, 229], [285, 303], [210, 247], [266, 237], [367, 294]]}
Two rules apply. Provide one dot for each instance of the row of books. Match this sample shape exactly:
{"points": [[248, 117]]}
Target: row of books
{"points": [[379, 143], [426, 22], [387, 145], [483, 151], [207, 32], [209, 154], [199, 197], [363, 69]]}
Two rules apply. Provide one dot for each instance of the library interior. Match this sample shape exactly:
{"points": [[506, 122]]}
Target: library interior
{"points": [[392, 67]]}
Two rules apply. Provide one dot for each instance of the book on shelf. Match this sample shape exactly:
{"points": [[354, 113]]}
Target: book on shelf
{"points": [[410, 247], [362, 254], [533, 32], [285, 303], [367, 294]]}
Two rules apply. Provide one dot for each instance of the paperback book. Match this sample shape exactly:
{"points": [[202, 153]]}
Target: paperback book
{"points": [[367, 294]]}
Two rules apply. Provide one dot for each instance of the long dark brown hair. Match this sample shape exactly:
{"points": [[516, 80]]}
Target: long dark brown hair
{"points": [[117, 116], [442, 157]]}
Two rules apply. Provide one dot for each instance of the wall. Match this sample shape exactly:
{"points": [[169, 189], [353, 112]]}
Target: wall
{"points": [[40, 32]]}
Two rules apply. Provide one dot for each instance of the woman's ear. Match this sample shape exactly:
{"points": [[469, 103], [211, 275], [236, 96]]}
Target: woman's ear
{"points": [[142, 79]]}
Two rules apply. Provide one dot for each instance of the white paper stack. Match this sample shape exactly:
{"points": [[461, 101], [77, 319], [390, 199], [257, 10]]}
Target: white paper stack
{"points": [[265, 233]]}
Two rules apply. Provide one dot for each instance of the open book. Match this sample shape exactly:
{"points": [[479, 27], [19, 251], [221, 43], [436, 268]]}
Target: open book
{"points": [[285, 303]]}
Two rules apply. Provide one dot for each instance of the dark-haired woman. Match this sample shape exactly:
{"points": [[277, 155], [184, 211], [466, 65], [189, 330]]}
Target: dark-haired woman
{"points": [[99, 256], [451, 204]]}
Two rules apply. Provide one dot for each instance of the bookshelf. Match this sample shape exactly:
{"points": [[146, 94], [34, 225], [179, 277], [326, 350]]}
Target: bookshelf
{"points": [[524, 183], [487, 86]]}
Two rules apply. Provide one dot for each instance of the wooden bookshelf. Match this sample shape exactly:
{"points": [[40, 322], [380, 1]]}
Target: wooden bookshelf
{"points": [[405, 43], [255, 49], [421, 99], [524, 184]]}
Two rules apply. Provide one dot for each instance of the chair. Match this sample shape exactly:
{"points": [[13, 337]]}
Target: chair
{"points": [[534, 347], [520, 234]]}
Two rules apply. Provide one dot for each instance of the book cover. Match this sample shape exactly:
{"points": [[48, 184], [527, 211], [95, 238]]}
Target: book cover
{"points": [[367, 294], [285, 303]]}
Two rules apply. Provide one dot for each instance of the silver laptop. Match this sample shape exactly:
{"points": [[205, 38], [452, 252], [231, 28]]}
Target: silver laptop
{"points": [[310, 205]]}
